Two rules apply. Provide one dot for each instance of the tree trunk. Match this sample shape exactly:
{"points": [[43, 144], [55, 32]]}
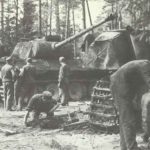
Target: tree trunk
{"points": [[120, 20], [47, 16], [57, 16], [74, 31], [2, 19], [16, 20], [67, 18], [89, 12], [83, 12], [40, 19], [50, 22], [112, 23], [8, 23]]}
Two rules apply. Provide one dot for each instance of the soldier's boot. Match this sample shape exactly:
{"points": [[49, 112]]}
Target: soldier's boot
{"points": [[19, 107]]}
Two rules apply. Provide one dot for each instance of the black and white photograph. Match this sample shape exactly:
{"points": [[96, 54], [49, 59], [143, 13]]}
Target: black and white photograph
{"points": [[74, 74]]}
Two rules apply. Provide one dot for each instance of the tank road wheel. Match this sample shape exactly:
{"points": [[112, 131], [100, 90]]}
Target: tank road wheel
{"points": [[77, 91], [52, 87]]}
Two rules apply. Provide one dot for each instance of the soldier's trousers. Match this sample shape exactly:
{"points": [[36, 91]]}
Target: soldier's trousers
{"points": [[64, 94], [17, 88], [146, 115], [8, 95], [26, 92], [127, 118]]}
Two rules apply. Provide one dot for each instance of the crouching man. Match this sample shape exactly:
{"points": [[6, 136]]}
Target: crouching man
{"points": [[40, 103], [130, 87]]}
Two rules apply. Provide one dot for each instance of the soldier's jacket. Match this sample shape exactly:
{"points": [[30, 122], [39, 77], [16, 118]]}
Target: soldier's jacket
{"points": [[64, 73], [39, 104], [128, 85], [135, 80], [7, 73], [28, 73]]}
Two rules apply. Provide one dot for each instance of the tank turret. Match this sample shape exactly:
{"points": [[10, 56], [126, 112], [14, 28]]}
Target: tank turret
{"points": [[42, 49]]}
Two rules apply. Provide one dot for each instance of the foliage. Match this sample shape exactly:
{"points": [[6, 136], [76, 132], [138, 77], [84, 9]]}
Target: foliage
{"points": [[26, 25], [133, 12], [28, 18]]}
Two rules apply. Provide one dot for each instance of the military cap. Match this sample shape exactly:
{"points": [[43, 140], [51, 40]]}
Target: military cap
{"points": [[61, 59]]}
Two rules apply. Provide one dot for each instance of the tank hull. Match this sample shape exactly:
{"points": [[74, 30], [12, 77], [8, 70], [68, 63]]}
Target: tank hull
{"points": [[81, 82]]}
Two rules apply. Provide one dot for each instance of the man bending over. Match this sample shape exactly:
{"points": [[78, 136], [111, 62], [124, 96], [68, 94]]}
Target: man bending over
{"points": [[40, 103]]}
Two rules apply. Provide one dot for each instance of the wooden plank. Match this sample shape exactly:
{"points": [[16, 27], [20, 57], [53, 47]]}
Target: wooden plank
{"points": [[102, 115], [102, 106], [102, 125], [102, 89], [104, 128], [103, 101], [64, 115], [7, 131], [102, 96], [75, 125]]}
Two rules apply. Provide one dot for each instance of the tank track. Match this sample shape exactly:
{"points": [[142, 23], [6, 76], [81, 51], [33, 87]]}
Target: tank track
{"points": [[103, 113]]}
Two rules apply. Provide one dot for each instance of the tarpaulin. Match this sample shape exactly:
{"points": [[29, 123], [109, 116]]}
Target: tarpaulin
{"points": [[41, 49], [141, 44], [110, 50]]}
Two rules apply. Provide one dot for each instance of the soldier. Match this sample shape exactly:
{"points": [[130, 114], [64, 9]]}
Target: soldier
{"points": [[16, 71], [128, 84], [27, 75], [7, 74], [17, 84], [40, 103], [63, 81]]}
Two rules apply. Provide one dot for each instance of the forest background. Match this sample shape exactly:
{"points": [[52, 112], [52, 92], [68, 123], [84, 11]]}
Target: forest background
{"points": [[30, 19]]}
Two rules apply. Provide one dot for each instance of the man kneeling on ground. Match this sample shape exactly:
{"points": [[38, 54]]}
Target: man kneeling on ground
{"points": [[40, 103]]}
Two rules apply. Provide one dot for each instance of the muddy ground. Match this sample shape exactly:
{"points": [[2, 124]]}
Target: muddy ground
{"points": [[44, 139]]}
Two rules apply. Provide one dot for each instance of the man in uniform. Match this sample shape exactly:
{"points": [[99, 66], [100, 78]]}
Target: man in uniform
{"points": [[7, 79], [128, 85], [17, 83], [40, 103], [27, 76], [63, 81]]}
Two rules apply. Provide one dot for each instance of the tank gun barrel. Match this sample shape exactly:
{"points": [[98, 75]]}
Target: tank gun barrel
{"points": [[109, 18]]}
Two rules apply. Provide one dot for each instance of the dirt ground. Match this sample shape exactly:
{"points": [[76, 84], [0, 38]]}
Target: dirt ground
{"points": [[42, 139]]}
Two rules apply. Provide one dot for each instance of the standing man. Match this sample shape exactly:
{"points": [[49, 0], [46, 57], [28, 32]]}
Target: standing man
{"points": [[17, 87], [63, 81], [128, 86], [7, 79], [27, 76]]}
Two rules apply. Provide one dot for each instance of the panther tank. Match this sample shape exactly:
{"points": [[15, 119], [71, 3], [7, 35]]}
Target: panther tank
{"points": [[45, 55]]}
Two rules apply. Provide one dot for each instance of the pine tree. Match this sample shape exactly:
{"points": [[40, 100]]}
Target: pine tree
{"points": [[28, 18]]}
